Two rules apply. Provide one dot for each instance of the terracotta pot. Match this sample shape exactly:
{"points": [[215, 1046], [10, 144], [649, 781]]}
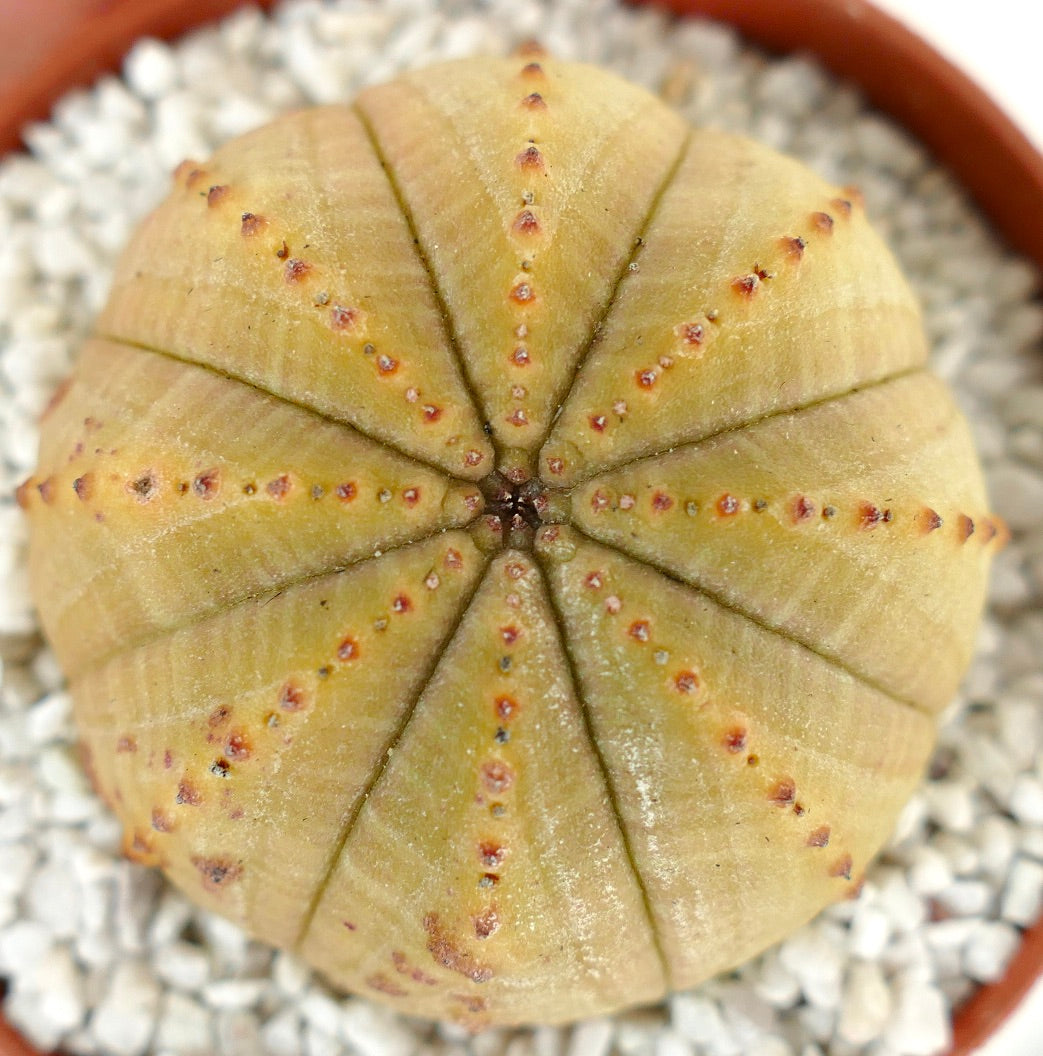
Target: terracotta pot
{"points": [[56, 45]]}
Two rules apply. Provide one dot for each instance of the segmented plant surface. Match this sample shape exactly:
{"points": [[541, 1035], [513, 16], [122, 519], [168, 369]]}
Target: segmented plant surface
{"points": [[505, 545]]}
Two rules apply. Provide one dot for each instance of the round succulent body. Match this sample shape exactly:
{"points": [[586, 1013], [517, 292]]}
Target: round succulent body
{"points": [[505, 545]]}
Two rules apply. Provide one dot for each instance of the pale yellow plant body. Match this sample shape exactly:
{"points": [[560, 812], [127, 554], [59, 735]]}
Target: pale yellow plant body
{"points": [[505, 545]]}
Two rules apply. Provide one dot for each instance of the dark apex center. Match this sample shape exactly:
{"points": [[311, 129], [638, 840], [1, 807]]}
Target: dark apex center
{"points": [[513, 507]]}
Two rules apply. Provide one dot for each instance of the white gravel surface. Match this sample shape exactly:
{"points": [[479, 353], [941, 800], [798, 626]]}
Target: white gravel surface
{"points": [[101, 957]]}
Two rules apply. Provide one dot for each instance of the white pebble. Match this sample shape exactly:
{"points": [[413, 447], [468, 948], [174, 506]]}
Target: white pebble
{"points": [[60, 985], [920, 1023], [670, 1043], [183, 966], [1026, 800], [235, 993], [25, 942], [870, 930], [150, 69], [1023, 897], [990, 948], [281, 1034], [239, 1033], [291, 976], [866, 1005], [185, 1027], [372, 1030], [125, 1019], [593, 1037]]}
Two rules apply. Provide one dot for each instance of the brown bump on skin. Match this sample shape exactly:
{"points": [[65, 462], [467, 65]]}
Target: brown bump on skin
{"points": [[793, 246], [531, 159], [753, 760], [661, 502], [930, 520], [342, 318], [818, 838], [237, 747], [144, 488], [84, 486], [448, 955], [283, 251], [534, 101], [639, 630], [161, 821], [798, 809], [403, 967], [473, 457], [496, 775], [431, 413], [842, 206], [216, 194], [869, 516], [510, 634], [207, 484], [594, 580], [386, 364], [46, 490], [525, 223], [346, 491], [783, 792], [734, 740], [692, 333], [348, 650], [295, 270], [506, 707], [382, 984], [187, 794], [823, 222], [21, 493], [746, 285], [556, 466], [842, 867], [411, 496], [486, 923], [220, 768], [491, 854], [597, 422], [185, 168], [646, 378], [522, 293], [520, 356], [453, 559], [252, 224], [802, 509], [727, 505], [280, 487], [613, 605], [402, 604], [828, 512], [217, 873], [532, 69], [599, 501], [686, 682], [219, 716], [964, 527], [138, 847], [126, 743]]}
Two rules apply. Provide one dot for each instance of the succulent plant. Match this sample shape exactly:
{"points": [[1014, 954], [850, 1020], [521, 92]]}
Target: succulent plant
{"points": [[505, 545]]}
